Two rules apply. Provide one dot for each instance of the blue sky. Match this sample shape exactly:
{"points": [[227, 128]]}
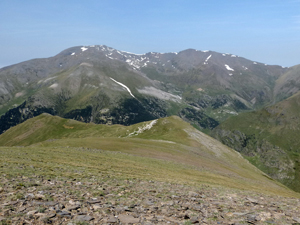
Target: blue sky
{"points": [[266, 31]]}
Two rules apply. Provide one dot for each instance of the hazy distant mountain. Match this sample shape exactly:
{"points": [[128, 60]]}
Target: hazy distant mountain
{"points": [[103, 85], [288, 84]]}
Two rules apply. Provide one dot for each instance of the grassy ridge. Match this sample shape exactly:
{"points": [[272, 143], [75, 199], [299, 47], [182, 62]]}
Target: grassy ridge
{"points": [[79, 163], [171, 150]]}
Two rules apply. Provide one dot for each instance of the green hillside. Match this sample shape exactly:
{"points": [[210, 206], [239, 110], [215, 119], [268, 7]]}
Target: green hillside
{"points": [[166, 149], [269, 138]]}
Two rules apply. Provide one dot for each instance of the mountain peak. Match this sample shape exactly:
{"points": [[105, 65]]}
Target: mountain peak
{"points": [[200, 86]]}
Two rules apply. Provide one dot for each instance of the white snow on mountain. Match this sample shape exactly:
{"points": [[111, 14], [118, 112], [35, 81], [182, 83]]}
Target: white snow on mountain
{"points": [[55, 85], [84, 49], [132, 53], [228, 67], [207, 59], [123, 85]]}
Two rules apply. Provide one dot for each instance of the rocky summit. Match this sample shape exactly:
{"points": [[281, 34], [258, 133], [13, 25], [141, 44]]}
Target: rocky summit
{"points": [[106, 200]]}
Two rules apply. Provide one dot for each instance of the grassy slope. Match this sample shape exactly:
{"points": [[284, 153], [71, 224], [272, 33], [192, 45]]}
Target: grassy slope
{"points": [[171, 150], [288, 84], [278, 125]]}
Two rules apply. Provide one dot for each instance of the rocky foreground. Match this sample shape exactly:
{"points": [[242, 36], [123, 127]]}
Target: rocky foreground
{"points": [[40, 200]]}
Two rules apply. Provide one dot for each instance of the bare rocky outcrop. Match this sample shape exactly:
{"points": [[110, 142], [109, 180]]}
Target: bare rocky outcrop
{"points": [[106, 200]]}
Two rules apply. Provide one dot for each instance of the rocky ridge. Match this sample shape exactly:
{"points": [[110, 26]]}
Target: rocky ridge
{"points": [[107, 200]]}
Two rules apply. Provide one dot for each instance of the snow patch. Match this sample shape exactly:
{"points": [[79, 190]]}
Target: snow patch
{"points": [[233, 55], [133, 63], [132, 53], [207, 58], [48, 79], [144, 128], [228, 67], [254, 62], [73, 53], [123, 85], [55, 85], [84, 49]]}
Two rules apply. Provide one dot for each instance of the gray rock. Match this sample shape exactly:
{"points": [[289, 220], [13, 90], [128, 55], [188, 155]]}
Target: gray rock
{"points": [[93, 201], [50, 203], [112, 219], [64, 213], [128, 219], [196, 207], [193, 194], [10, 203], [296, 219], [51, 215], [254, 201], [75, 207], [252, 219], [194, 219], [84, 218]]}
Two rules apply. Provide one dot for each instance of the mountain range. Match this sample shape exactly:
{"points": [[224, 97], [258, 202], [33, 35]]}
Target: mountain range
{"points": [[104, 85], [247, 105]]}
